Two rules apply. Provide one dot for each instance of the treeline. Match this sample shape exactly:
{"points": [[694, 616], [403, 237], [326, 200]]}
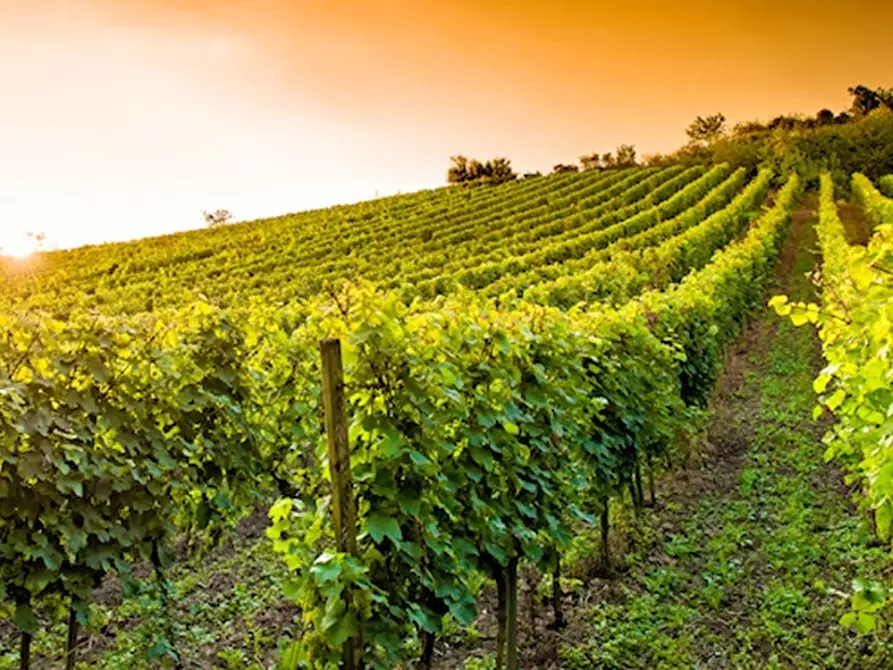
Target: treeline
{"points": [[858, 139], [473, 172], [467, 171], [624, 157]]}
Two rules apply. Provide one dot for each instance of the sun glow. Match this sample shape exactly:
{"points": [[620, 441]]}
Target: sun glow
{"points": [[18, 247]]}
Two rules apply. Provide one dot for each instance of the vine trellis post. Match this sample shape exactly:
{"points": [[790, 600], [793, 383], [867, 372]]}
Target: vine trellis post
{"points": [[343, 506]]}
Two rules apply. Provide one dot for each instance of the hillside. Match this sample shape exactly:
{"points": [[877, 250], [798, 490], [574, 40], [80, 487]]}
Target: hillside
{"points": [[505, 238], [522, 363]]}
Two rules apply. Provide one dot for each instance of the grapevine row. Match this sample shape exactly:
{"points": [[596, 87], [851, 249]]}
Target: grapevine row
{"points": [[855, 328]]}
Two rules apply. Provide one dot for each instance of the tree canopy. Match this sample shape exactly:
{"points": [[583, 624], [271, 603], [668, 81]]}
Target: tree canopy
{"points": [[707, 129], [472, 171]]}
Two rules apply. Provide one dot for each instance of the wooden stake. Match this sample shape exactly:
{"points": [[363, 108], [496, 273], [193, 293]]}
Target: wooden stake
{"points": [[651, 480], [511, 634], [556, 592], [606, 554], [501, 615], [25, 652], [343, 508], [71, 650]]}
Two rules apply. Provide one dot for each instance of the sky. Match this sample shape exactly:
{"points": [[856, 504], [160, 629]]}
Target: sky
{"points": [[126, 118]]}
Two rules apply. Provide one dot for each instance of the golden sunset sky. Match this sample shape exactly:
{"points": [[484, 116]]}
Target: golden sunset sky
{"points": [[126, 118]]}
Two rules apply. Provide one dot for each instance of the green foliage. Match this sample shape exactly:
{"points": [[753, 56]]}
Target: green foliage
{"points": [[867, 100], [863, 145], [484, 428], [707, 129], [638, 261], [115, 431], [878, 208], [853, 324], [464, 171], [853, 321], [625, 155], [479, 435]]}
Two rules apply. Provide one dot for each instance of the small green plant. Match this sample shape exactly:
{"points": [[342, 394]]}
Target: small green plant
{"points": [[487, 662], [867, 599]]}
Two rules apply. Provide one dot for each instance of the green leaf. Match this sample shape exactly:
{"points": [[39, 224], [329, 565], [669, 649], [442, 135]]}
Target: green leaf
{"points": [[865, 623], [836, 399], [511, 427], [821, 383], [343, 630], [77, 540], [425, 619], [38, 580], [381, 526], [25, 619], [409, 504], [70, 485], [292, 590], [392, 444], [799, 318], [778, 300]]}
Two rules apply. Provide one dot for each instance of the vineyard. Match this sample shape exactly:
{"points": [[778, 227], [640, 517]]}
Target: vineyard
{"points": [[436, 405]]}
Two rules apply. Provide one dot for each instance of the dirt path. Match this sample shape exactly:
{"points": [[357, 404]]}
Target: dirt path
{"points": [[742, 563], [858, 225]]}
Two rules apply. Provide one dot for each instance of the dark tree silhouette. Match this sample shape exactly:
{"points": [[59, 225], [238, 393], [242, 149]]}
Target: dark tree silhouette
{"points": [[707, 129], [625, 156], [866, 100], [825, 117], [473, 171], [216, 218], [591, 161]]}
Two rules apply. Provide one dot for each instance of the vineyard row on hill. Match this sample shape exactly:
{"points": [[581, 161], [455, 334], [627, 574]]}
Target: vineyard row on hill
{"points": [[133, 276]]}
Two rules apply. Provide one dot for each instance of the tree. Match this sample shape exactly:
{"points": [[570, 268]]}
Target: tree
{"points": [[561, 168], [625, 155], [531, 175], [607, 160], [473, 171], [784, 123], [865, 100], [825, 117], [501, 170], [707, 129], [748, 128], [591, 161], [458, 172], [216, 218]]}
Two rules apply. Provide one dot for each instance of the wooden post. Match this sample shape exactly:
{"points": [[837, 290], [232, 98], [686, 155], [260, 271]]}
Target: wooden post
{"points": [[606, 554], [339, 468], [511, 633], [502, 587], [25, 652], [640, 493], [71, 648], [556, 592], [651, 479]]}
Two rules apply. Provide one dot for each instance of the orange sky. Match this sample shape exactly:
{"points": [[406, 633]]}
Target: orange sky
{"points": [[123, 118]]}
